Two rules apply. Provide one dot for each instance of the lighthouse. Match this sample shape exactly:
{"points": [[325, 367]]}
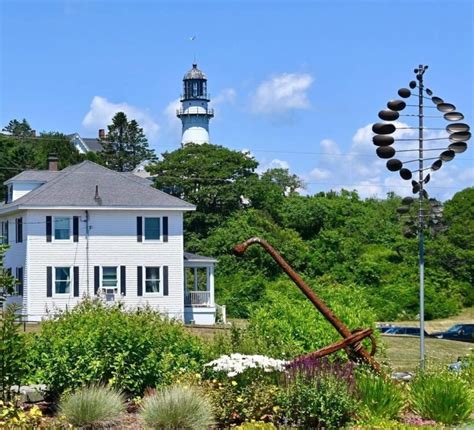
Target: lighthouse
{"points": [[194, 112]]}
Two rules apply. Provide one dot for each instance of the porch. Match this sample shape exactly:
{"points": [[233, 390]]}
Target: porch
{"points": [[199, 304]]}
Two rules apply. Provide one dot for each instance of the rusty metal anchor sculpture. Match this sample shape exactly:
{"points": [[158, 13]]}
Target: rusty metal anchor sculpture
{"points": [[352, 339]]}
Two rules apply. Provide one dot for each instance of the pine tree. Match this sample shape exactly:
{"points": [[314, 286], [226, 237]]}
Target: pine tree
{"points": [[19, 129], [126, 145]]}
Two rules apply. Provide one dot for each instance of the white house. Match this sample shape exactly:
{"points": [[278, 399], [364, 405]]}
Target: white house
{"points": [[88, 230]]}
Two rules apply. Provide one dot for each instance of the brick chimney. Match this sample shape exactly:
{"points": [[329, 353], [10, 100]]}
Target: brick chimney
{"points": [[101, 133], [53, 162]]}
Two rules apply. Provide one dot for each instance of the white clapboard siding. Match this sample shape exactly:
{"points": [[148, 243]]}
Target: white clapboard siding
{"points": [[112, 242], [16, 253]]}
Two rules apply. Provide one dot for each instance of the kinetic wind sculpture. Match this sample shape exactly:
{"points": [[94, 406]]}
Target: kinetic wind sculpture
{"points": [[450, 140]]}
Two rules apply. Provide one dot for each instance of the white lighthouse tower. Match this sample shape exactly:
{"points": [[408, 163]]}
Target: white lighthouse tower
{"points": [[194, 113]]}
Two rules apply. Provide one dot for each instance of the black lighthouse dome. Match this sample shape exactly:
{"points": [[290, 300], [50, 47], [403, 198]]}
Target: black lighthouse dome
{"points": [[194, 84]]}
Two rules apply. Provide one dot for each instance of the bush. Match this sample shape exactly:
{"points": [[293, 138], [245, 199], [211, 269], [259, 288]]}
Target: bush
{"points": [[94, 406], [95, 343], [256, 425], [380, 396], [177, 408], [235, 403], [287, 324], [442, 396], [12, 351], [15, 417], [323, 402]]}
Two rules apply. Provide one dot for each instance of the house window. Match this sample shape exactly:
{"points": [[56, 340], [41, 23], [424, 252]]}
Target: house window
{"points": [[152, 228], [62, 280], [109, 277], [62, 228], [152, 279], [10, 193], [4, 232]]}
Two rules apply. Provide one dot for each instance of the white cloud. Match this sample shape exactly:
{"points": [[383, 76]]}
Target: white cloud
{"points": [[273, 164], [360, 169], [320, 174], [227, 95], [282, 93], [172, 120], [102, 111]]}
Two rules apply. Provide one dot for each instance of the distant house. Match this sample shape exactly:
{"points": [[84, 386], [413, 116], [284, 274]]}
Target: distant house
{"points": [[87, 144], [87, 230]]}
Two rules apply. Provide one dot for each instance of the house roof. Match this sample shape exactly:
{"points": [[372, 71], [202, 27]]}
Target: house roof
{"points": [[94, 145], [194, 258], [33, 176], [76, 185]]}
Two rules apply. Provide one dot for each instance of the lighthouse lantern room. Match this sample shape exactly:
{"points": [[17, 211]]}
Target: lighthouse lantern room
{"points": [[194, 112]]}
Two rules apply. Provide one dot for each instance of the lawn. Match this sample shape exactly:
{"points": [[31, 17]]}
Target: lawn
{"points": [[402, 352]]}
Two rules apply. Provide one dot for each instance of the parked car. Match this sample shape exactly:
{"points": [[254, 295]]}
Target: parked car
{"points": [[461, 332], [382, 328], [412, 331]]}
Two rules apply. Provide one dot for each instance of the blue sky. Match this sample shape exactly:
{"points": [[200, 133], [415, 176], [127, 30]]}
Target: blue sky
{"points": [[297, 83]]}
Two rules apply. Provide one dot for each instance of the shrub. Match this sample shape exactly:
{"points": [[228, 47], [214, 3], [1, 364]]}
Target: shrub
{"points": [[256, 425], [95, 343], [324, 401], [92, 407], [177, 408], [287, 324], [13, 416], [235, 403], [12, 351], [380, 396], [442, 396]]}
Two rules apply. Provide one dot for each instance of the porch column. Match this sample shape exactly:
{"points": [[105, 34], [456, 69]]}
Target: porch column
{"points": [[210, 284]]}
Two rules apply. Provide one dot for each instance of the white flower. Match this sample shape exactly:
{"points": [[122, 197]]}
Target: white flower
{"points": [[238, 363]]}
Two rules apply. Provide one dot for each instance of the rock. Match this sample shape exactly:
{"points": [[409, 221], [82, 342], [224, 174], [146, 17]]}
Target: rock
{"points": [[30, 393]]}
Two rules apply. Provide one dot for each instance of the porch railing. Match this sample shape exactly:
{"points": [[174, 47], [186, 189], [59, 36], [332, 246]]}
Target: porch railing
{"points": [[197, 298]]}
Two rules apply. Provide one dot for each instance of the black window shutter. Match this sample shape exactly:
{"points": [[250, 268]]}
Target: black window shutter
{"points": [[19, 277], [49, 228], [96, 279], [6, 239], [139, 281], [165, 229], [19, 230], [49, 281], [165, 281], [123, 280], [76, 281], [139, 229], [75, 228]]}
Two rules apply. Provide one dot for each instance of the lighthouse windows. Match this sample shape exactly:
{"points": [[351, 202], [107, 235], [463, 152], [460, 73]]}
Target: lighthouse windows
{"points": [[195, 89]]}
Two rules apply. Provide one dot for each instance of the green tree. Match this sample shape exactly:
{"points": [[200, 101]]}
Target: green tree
{"points": [[212, 177], [19, 128], [126, 145]]}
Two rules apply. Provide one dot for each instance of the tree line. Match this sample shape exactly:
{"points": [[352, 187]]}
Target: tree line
{"points": [[331, 238]]}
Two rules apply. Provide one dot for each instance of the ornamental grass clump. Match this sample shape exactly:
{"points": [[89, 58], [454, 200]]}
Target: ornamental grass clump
{"points": [[442, 396], [380, 396], [92, 407], [177, 408]]}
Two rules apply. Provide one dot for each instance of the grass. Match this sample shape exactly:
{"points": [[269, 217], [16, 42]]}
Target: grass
{"points": [[402, 352], [92, 407]]}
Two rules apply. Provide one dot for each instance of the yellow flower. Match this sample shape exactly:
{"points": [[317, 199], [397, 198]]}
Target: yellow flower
{"points": [[198, 375], [276, 408], [234, 383], [239, 399]]}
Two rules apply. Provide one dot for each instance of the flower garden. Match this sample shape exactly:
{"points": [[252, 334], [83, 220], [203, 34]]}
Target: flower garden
{"points": [[108, 367]]}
